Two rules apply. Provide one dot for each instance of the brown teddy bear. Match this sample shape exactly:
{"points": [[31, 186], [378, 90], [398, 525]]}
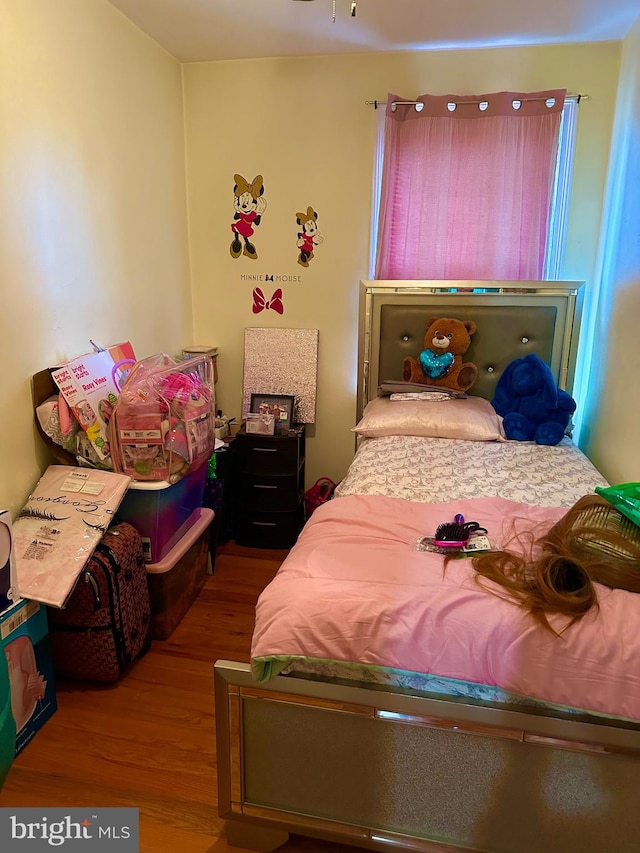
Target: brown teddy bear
{"points": [[440, 362]]}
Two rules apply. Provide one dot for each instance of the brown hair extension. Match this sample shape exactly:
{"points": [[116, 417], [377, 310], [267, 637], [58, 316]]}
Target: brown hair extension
{"points": [[591, 543]]}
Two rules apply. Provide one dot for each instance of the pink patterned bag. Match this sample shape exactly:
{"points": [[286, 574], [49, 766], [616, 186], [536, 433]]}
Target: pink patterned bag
{"points": [[321, 491]]}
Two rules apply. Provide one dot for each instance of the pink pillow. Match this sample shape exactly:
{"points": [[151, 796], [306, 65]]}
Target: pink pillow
{"points": [[473, 419]]}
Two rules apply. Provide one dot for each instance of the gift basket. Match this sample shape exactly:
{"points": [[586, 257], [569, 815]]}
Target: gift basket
{"points": [[163, 423]]}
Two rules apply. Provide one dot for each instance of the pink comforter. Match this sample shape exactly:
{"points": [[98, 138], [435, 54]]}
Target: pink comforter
{"points": [[355, 589]]}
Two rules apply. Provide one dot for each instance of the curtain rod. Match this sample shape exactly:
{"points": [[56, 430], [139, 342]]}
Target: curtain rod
{"points": [[383, 101]]}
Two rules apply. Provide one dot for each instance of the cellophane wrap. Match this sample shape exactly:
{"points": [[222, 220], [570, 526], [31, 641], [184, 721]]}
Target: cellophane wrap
{"points": [[163, 424]]}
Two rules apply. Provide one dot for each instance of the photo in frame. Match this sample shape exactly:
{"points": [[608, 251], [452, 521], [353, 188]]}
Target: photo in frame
{"points": [[260, 424], [278, 405]]}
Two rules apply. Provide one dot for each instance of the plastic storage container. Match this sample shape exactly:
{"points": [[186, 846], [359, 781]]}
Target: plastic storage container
{"points": [[175, 581], [162, 512]]}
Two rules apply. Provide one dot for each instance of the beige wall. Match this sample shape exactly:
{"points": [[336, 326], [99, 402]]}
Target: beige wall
{"points": [[303, 125], [613, 410], [92, 203]]}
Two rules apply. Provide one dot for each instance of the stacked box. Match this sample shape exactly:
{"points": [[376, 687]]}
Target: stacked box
{"points": [[8, 586], [25, 641], [7, 723], [162, 512], [175, 581]]}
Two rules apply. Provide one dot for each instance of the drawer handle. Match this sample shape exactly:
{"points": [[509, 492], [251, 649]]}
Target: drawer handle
{"points": [[264, 523], [260, 486], [265, 449]]}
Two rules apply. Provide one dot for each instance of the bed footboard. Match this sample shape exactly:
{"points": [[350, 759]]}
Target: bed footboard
{"points": [[379, 769]]}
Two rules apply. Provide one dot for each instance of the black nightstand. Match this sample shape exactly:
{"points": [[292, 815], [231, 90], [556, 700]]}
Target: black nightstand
{"points": [[269, 488]]}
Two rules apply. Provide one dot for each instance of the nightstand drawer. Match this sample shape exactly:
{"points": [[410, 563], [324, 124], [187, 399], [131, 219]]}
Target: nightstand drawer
{"points": [[261, 454], [269, 494], [268, 529]]}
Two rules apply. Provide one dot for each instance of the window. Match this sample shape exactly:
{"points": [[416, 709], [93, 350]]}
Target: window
{"points": [[561, 191], [556, 202]]}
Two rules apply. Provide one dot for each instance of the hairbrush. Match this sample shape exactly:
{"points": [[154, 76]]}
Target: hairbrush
{"points": [[456, 533]]}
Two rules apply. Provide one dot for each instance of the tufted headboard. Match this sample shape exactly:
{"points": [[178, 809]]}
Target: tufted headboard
{"points": [[514, 318]]}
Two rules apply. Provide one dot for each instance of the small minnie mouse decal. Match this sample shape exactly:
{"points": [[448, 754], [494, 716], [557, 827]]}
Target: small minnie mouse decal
{"points": [[249, 205], [309, 237]]}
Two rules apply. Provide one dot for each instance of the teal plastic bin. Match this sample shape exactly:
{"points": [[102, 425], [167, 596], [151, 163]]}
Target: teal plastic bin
{"points": [[7, 723]]}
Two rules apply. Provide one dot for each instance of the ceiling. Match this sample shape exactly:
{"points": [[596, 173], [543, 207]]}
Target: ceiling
{"points": [[200, 30]]}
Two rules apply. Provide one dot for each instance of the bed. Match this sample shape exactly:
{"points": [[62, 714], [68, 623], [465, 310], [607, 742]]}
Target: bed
{"points": [[392, 704]]}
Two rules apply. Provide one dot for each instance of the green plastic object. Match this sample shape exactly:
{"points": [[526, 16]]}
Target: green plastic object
{"points": [[625, 497], [211, 467], [7, 723]]}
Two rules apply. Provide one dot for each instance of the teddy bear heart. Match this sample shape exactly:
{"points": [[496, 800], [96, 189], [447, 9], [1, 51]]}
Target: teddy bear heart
{"points": [[436, 366]]}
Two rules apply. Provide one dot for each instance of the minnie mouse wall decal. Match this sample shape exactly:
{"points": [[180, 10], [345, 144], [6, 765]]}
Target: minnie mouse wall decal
{"points": [[249, 205], [309, 237]]}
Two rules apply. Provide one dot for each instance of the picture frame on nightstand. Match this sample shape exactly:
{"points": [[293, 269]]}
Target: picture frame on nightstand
{"points": [[278, 405], [257, 423]]}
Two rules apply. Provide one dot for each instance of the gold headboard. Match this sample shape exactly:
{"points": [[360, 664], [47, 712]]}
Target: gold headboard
{"points": [[514, 318]]}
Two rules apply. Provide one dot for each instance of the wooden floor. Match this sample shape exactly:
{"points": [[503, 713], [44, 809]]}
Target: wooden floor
{"points": [[148, 741]]}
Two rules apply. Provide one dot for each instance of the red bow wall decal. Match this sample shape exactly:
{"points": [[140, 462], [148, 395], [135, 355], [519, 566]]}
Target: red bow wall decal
{"points": [[262, 304]]}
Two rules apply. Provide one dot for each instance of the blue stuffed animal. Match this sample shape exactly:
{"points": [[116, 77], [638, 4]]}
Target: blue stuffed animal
{"points": [[532, 406]]}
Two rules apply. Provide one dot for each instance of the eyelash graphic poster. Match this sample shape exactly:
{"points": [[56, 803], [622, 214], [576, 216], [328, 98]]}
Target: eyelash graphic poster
{"points": [[59, 527]]}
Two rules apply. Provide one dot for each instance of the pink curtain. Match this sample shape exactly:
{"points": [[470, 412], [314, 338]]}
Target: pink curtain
{"points": [[466, 193]]}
